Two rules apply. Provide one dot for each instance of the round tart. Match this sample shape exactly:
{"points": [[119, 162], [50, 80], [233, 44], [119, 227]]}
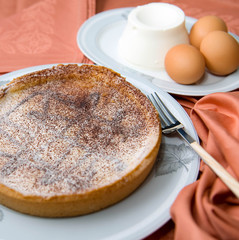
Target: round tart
{"points": [[73, 140]]}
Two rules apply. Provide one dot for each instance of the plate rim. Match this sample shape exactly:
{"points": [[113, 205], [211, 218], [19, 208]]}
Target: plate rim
{"points": [[188, 90], [153, 226]]}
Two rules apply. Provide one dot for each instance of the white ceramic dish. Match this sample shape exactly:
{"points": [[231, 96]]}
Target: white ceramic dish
{"points": [[98, 40], [137, 216]]}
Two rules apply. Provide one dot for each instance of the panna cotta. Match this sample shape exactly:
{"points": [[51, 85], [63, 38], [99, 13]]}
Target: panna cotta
{"points": [[151, 30]]}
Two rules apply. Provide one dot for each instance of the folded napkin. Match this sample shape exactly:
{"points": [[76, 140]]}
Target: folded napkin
{"points": [[36, 32], [207, 209]]}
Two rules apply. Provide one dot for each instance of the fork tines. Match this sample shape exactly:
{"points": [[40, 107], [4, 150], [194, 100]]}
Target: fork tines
{"points": [[168, 121]]}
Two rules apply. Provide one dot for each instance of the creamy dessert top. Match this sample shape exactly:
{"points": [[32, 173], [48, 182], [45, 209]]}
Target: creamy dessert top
{"points": [[71, 129], [150, 32]]}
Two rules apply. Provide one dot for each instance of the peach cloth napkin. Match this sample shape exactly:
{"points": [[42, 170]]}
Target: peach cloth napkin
{"points": [[207, 209], [36, 32]]}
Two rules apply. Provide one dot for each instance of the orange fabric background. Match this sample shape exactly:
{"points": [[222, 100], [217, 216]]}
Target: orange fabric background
{"points": [[40, 32]]}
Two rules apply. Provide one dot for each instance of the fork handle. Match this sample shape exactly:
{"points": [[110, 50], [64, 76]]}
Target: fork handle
{"points": [[221, 172]]}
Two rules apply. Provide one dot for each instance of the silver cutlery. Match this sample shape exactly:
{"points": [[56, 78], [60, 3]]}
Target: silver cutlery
{"points": [[170, 124]]}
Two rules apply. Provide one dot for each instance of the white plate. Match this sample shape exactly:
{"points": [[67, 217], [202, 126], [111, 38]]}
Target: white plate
{"points": [[98, 40], [137, 216]]}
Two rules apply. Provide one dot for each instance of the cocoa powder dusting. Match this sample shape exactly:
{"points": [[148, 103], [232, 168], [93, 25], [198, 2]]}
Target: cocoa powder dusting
{"points": [[61, 137]]}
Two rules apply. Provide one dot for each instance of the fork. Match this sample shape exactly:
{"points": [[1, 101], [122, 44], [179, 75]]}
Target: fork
{"points": [[170, 124]]}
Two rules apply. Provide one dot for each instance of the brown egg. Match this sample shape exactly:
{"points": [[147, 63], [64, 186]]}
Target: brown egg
{"points": [[184, 64], [221, 52], [203, 26]]}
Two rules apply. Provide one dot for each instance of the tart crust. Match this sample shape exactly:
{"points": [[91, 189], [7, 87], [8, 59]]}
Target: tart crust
{"points": [[74, 140]]}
